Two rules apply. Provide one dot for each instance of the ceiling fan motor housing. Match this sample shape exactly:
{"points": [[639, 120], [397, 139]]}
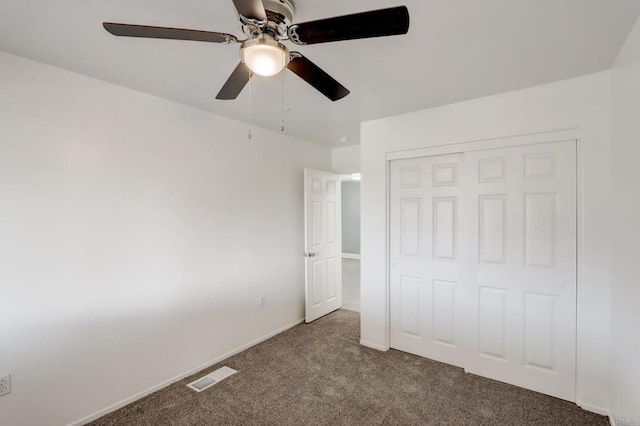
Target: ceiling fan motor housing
{"points": [[280, 14]]}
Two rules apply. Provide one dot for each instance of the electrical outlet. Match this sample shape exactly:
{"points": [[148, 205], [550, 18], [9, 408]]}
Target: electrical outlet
{"points": [[5, 385], [261, 301]]}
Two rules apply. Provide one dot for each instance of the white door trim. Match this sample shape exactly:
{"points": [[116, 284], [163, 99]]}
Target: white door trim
{"points": [[482, 144]]}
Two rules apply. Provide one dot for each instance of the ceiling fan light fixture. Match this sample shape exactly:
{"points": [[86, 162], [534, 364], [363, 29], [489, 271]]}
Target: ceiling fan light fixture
{"points": [[264, 55], [266, 23]]}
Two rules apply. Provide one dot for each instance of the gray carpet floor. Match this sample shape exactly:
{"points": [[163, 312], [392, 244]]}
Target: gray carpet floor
{"points": [[318, 374]]}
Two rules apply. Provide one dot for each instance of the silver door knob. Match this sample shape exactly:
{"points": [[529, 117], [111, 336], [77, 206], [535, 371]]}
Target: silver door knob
{"points": [[307, 254]]}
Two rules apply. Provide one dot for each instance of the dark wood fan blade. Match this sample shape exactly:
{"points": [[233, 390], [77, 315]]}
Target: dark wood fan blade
{"points": [[376, 23], [316, 77], [128, 30], [235, 83], [252, 9]]}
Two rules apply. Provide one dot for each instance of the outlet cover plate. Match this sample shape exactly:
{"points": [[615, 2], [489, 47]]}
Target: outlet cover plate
{"points": [[5, 385]]}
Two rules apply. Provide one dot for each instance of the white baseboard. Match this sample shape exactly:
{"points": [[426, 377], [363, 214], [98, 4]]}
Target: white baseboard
{"points": [[351, 256], [166, 383], [593, 408], [374, 346]]}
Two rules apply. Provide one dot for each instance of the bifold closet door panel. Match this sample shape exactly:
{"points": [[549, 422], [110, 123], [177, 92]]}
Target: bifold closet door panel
{"points": [[425, 258], [523, 219]]}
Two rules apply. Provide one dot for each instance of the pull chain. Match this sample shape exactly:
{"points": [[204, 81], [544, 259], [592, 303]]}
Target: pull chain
{"points": [[250, 134], [282, 106]]}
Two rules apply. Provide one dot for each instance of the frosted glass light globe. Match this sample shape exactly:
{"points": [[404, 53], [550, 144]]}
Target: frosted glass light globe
{"points": [[264, 56]]}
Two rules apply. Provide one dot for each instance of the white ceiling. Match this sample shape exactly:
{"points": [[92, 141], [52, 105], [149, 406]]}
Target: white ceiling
{"points": [[455, 50]]}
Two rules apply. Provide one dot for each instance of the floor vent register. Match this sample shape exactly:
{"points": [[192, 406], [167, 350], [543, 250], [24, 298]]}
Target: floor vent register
{"points": [[211, 379]]}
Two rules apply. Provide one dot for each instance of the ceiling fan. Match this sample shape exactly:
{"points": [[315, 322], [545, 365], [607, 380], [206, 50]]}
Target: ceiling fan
{"points": [[266, 24]]}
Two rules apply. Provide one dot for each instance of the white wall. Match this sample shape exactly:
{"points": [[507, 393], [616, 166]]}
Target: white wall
{"points": [[136, 236], [346, 159], [625, 291], [578, 103]]}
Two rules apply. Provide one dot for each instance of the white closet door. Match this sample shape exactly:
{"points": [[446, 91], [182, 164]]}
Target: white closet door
{"points": [[425, 263], [521, 211], [483, 263]]}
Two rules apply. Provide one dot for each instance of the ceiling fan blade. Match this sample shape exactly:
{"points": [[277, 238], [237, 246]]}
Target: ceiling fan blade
{"points": [[128, 30], [252, 9], [315, 76], [235, 83], [376, 23]]}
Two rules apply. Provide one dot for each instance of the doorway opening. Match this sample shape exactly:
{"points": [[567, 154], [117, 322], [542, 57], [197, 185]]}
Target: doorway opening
{"points": [[351, 241]]}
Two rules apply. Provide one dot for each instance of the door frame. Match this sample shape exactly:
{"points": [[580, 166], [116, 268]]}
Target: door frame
{"points": [[573, 134]]}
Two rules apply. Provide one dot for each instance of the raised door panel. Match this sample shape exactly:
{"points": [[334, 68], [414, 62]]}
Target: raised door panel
{"points": [[539, 234], [316, 224], [445, 224], [332, 221], [410, 306], [444, 313], [410, 227], [492, 323], [493, 228], [317, 282], [540, 331], [410, 177]]}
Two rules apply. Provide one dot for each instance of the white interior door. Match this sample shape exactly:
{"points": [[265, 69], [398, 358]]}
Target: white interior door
{"points": [[425, 258], [483, 263], [323, 243], [522, 221]]}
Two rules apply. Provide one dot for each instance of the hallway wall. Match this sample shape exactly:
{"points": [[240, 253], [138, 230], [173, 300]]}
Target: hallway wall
{"points": [[351, 217]]}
